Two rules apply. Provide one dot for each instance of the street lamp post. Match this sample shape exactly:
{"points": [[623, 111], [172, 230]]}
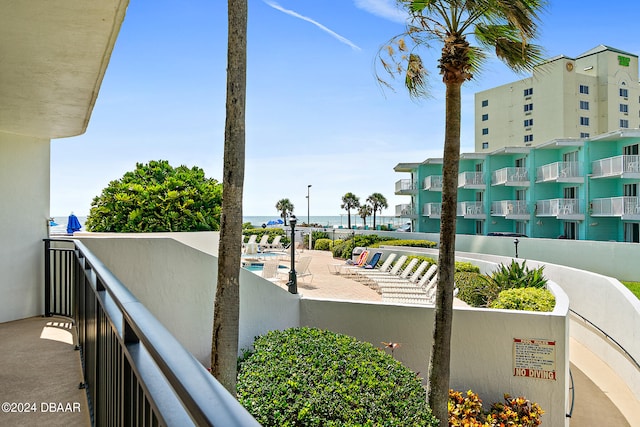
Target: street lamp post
{"points": [[515, 242], [293, 278], [308, 204]]}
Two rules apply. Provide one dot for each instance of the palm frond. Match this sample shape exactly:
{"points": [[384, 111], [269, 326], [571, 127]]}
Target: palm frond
{"points": [[416, 77], [509, 47]]}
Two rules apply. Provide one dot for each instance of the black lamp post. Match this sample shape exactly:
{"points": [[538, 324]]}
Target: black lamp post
{"points": [[308, 206], [515, 242], [293, 278]]}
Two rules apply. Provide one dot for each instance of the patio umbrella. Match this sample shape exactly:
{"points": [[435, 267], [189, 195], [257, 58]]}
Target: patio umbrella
{"points": [[73, 224], [275, 222]]}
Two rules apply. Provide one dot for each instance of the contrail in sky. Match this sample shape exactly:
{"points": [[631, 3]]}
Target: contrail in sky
{"points": [[317, 24]]}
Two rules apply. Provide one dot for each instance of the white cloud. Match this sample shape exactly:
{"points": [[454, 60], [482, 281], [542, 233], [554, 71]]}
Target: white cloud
{"points": [[317, 24], [387, 9]]}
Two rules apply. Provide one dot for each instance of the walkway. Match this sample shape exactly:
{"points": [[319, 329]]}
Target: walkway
{"points": [[40, 374]]}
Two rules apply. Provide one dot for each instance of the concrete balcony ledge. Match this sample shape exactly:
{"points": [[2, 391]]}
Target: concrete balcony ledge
{"points": [[40, 374]]}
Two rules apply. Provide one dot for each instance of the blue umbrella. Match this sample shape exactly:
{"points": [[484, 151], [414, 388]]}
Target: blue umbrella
{"points": [[73, 224], [275, 222]]}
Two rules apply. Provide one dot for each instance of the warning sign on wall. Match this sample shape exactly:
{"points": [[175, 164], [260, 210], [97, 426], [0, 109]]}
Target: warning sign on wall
{"points": [[534, 358]]}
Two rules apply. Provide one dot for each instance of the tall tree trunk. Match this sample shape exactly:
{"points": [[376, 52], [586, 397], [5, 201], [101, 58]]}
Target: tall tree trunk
{"points": [[224, 342], [439, 368]]}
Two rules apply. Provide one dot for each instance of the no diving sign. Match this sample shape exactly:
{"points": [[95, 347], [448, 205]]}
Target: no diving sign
{"points": [[534, 358]]}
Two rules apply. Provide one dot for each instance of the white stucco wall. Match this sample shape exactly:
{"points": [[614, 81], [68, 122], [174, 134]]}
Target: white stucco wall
{"points": [[24, 210], [481, 346], [177, 283]]}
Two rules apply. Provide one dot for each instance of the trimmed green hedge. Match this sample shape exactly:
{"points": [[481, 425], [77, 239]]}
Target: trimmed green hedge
{"points": [[474, 288], [323, 245], [410, 243], [311, 377], [527, 299]]}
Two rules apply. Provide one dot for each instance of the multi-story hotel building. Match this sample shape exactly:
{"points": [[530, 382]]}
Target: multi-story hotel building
{"points": [[555, 156], [595, 93]]}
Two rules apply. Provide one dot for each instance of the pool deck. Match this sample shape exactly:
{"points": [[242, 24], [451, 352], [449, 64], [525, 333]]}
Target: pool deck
{"points": [[599, 393]]}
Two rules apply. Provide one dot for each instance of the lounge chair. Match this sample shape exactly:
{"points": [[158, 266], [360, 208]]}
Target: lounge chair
{"points": [[270, 270], [404, 275], [337, 268], [410, 279], [302, 268], [264, 241], [370, 275], [370, 264], [275, 244]]}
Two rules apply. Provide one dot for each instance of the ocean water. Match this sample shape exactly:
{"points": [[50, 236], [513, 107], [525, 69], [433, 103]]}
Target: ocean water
{"points": [[335, 221]]}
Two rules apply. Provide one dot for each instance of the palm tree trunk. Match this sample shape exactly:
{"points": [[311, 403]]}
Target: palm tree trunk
{"points": [[224, 342], [439, 368]]}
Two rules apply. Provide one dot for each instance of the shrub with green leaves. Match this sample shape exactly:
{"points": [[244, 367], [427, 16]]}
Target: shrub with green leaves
{"points": [[527, 299], [475, 289], [410, 243], [323, 245], [518, 276], [312, 377], [157, 197]]}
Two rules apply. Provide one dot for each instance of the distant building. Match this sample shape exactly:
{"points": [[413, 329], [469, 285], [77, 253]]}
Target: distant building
{"points": [[555, 157], [595, 93]]}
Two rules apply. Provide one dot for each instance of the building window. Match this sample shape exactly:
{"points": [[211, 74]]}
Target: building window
{"points": [[485, 117], [485, 145], [528, 123], [584, 134], [624, 93], [624, 123], [584, 105], [528, 138], [584, 89], [624, 108], [528, 92], [528, 107], [485, 131], [584, 121], [485, 102]]}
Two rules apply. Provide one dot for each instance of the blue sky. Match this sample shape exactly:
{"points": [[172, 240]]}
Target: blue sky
{"points": [[315, 113]]}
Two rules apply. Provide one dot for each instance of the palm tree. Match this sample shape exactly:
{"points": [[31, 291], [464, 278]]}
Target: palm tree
{"points": [[350, 201], [378, 202], [364, 211], [224, 340], [501, 26], [285, 207]]}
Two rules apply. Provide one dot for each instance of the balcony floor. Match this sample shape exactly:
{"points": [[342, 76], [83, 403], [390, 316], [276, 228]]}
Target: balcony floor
{"points": [[40, 366]]}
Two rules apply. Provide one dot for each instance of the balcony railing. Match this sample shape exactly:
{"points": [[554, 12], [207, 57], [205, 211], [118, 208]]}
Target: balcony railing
{"points": [[616, 166], [625, 207], [433, 183], [510, 209], [432, 210], [473, 210], [471, 180], [135, 371], [517, 177], [560, 208], [560, 172], [405, 211], [405, 186]]}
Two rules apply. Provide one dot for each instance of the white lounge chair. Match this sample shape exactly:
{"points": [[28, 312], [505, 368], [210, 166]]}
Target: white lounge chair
{"points": [[275, 244], [264, 241], [404, 275], [302, 268], [394, 271], [270, 270]]}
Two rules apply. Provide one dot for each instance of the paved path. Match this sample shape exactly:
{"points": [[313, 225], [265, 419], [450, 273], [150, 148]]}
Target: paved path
{"points": [[41, 369]]}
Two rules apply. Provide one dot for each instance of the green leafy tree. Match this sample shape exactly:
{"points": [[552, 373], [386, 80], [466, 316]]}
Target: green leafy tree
{"points": [[350, 201], [364, 211], [156, 197], [285, 207], [226, 312], [499, 26], [377, 202]]}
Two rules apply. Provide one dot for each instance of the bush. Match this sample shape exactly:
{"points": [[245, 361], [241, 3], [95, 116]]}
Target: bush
{"points": [[323, 245], [467, 411], [310, 377], [466, 267], [527, 299], [156, 197], [518, 276], [475, 289], [516, 411], [410, 243]]}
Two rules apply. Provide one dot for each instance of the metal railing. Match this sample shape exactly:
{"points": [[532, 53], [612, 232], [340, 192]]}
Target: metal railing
{"points": [[432, 210], [135, 371], [614, 166], [433, 183], [616, 206], [509, 207], [510, 176], [471, 179], [405, 186], [558, 171], [559, 207]]}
